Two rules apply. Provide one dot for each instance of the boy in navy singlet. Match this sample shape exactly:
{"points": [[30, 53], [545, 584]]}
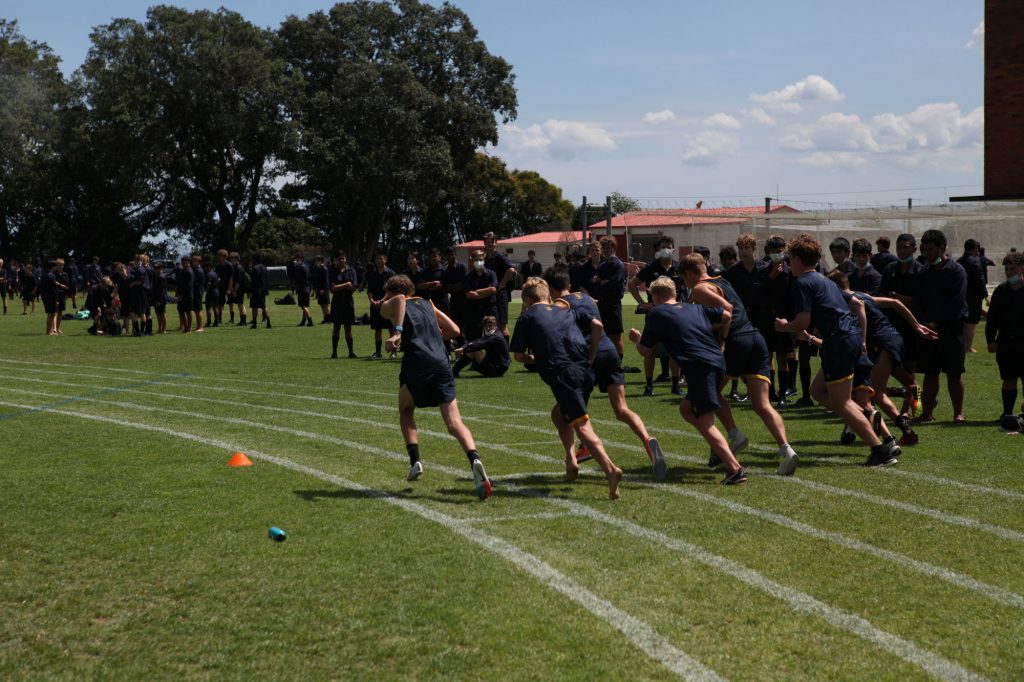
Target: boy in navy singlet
{"points": [[548, 336], [426, 377], [691, 333]]}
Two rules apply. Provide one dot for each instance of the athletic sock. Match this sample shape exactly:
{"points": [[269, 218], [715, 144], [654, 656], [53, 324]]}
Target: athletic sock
{"points": [[241, 319], [664, 365], [348, 342], [135, 327], [805, 378], [791, 366], [472, 455], [772, 395], [735, 386], [783, 384], [460, 364], [376, 345], [149, 326], [1009, 399], [334, 345], [414, 452], [675, 383]]}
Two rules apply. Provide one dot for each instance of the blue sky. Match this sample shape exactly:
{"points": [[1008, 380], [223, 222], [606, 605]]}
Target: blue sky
{"points": [[841, 102]]}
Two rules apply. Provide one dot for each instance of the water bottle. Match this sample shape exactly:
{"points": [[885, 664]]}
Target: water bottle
{"points": [[276, 534]]}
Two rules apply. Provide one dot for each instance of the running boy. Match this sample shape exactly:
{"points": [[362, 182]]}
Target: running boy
{"points": [[426, 378]]}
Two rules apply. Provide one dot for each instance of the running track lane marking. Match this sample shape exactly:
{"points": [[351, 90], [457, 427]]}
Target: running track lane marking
{"points": [[971, 487], [639, 633], [933, 663], [92, 395]]}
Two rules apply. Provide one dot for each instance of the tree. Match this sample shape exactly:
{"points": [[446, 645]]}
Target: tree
{"points": [[620, 204], [397, 98], [193, 102]]}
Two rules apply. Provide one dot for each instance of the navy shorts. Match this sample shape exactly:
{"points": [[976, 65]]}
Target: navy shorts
{"points": [[184, 305], [322, 297], [611, 317], [197, 300], [572, 388], [343, 311], [430, 390], [777, 342], [136, 302], [946, 355], [702, 382], [608, 370], [489, 370], [303, 297], [839, 356], [501, 298], [893, 344], [49, 305], [862, 374], [747, 356], [1010, 358], [378, 321], [257, 301], [974, 309]]}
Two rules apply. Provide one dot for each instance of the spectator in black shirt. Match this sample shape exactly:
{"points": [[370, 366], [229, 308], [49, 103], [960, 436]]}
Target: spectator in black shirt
{"points": [[839, 249], [498, 263], [261, 288], [320, 279], [343, 281], [454, 277], [883, 258], [713, 270], [160, 297], [376, 277], [481, 289], [28, 283], [212, 294], [300, 282], [487, 355], [239, 287], [183, 284], [198, 291], [226, 273], [429, 281], [1004, 329], [772, 290], [530, 267], [663, 265], [899, 281], [941, 304], [93, 273], [863, 276], [977, 292]]}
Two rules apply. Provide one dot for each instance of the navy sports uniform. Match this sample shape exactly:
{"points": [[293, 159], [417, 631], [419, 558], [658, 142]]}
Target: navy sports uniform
{"points": [[159, 293], [655, 269], [773, 300], [686, 330], [868, 280], [183, 282], [198, 289], [226, 272], [841, 338], [496, 359], [608, 288], [320, 277], [562, 355], [479, 308], [881, 334], [1005, 326], [240, 287], [451, 283], [941, 300], [260, 288], [212, 289], [425, 369], [300, 280], [607, 364], [375, 280], [897, 282], [976, 272], [343, 307], [746, 353], [499, 264]]}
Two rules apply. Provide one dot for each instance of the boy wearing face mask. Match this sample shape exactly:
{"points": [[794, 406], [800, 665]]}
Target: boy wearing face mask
{"points": [[899, 281], [663, 265], [1004, 329], [839, 249], [772, 289], [862, 276], [488, 355], [480, 287], [941, 305]]}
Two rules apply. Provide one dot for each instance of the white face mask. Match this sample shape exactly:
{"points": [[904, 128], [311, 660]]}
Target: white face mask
{"points": [[664, 253], [478, 264], [490, 332], [777, 257]]}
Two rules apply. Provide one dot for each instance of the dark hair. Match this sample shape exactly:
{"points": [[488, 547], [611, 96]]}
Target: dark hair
{"points": [[840, 278], [704, 251], [883, 242], [861, 246], [971, 245], [448, 250], [531, 252], [256, 257], [340, 254], [380, 252], [433, 252], [935, 238], [727, 252], [557, 278], [839, 243], [907, 237], [665, 239], [775, 242]]}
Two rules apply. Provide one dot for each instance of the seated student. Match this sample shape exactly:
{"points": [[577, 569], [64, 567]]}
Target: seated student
{"points": [[818, 304], [563, 360], [425, 379], [692, 334], [487, 355], [1004, 329], [746, 357], [98, 299], [885, 348], [607, 368], [107, 325]]}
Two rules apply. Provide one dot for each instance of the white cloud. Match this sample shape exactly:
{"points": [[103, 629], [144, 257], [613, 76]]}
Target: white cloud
{"points": [[722, 120], [812, 88], [977, 41], [834, 160], [659, 117], [558, 139], [707, 148], [759, 115]]}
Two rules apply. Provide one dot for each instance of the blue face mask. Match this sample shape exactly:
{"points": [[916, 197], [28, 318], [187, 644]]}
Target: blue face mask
{"points": [[1013, 279], [906, 260], [937, 261]]}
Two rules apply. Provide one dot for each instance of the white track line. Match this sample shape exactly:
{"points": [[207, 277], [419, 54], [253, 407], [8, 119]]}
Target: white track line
{"points": [[540, 516], [906, 650], [639, 633], [659, 431]]}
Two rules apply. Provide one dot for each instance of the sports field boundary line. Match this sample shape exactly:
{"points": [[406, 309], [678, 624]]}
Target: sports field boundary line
{"points": [[799, 601]]}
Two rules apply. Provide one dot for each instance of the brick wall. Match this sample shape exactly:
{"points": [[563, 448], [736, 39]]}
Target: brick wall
{"points": [[1004, 98]]}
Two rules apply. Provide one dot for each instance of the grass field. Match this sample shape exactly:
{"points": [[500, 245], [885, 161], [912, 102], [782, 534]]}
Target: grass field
{"points": [[129, 550]]}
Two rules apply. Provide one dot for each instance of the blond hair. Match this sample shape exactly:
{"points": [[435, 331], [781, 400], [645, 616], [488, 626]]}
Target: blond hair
{"points": [[663, 288], [536, 290]]}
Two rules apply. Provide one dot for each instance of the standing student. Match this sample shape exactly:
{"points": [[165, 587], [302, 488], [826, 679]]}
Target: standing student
{"points": [[692, 334], [746, 357], [839, 249], [481, 290], [941, 305], [977, 292], [300, 282], [530, 267], [342, 281], [429, 281], [663, 265], [1004, 329], [198, 291], [241, 282], [376, 277], [454, 278], [425, 379], [184, 282], [549, 337], [772, 291], [900, 281], [504, 270], [3, 284], [320, 278], [260, 285], [160, 297], [148, 282], [48, 294], [28, 283], [863, 276], [212, 294], [63, 290], [607, 367], [226, 273], [883, 257], [818, 304]]}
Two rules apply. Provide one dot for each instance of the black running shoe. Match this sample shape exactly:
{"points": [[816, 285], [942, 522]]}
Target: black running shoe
{"points": [[648, 391], [884, 455], [663, 377], [737, 478], [735, 397], [713, 461], [847, 437], [678, 390], [805, 402]]}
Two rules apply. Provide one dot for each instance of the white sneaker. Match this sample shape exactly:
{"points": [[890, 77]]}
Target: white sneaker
{"points": [[657, 459], [739, 443], [789, 460], [415, 471], [480, 480]]}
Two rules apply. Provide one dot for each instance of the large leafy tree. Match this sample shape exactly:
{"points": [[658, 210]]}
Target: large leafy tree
{"points": [[191, 102], [397, 98]]}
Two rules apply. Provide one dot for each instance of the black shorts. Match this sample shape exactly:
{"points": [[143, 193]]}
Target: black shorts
{"points": [[378, 321], [197, 300], [747, 356], [49, 305], [184, 305], [501, 298], [893, 344], [974, 310], [302, 296], [322, 297], [257, 300], [343, 311], [160, 307], [28, 295], [212, 297], [807, 350], [489, 370], [430, 390], [611, 316], [839, 355], [3, 288], [572, 388], [608, 370], [238, 297], [702, 382], [136, 303], [945, 355], [1010, 358], [221, 300]]}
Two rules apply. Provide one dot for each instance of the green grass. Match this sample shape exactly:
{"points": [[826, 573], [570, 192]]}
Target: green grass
{"points": [[129, 550]]}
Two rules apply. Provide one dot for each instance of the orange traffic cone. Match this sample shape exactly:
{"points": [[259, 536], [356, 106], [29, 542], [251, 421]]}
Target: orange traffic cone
{"points": [[240, 460]]}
